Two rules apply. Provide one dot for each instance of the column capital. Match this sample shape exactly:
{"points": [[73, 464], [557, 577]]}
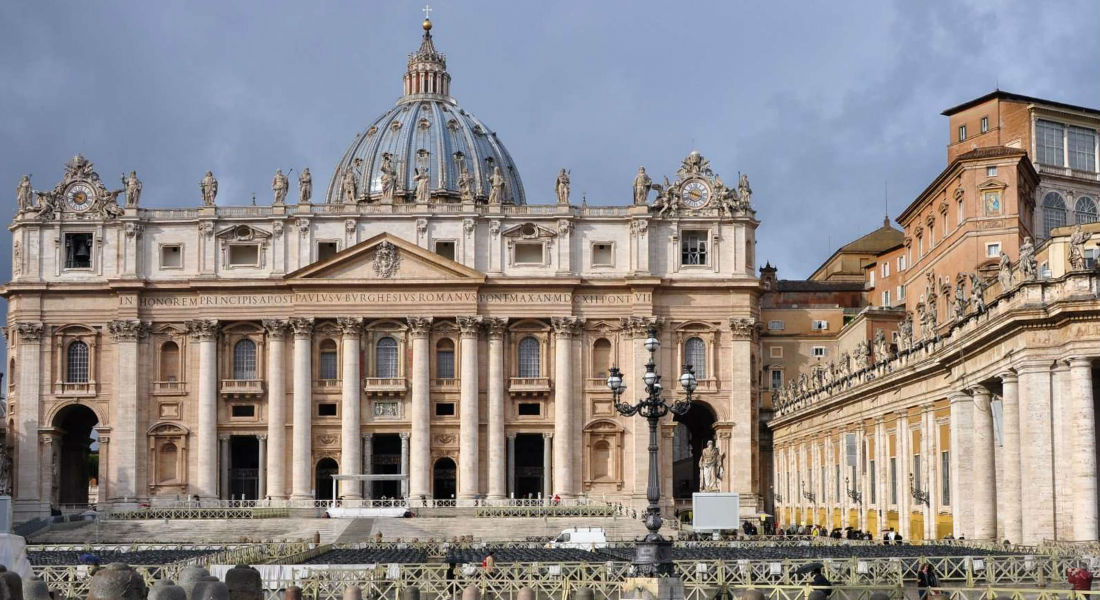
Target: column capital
{"points": [[202, 329], [223, 437], [366, 436], [128, 331], [276, 328], [495, 326], [638, 327], [468, 325], [302, 326], [29, 332], [1079, 362], [547, 436], [1061, 366], [511, 435], [419, 326], [958, 396], [262, 437], [404, 435], [565, 326], [350, 326], [1008, 377], [743, 329]]}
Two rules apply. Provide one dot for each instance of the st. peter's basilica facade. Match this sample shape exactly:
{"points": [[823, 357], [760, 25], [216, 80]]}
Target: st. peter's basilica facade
{"points": [[418, 319]]}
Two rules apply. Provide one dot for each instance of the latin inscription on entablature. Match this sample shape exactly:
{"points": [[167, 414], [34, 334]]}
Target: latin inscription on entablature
{"points": [[383, 298]]}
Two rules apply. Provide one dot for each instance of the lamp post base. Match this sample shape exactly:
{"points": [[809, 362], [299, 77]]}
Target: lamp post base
{"points": [[653, 557], [658, 588]]}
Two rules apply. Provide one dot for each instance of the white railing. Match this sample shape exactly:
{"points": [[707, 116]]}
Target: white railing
{"points": [[64, 388], [448, 384], [327, 385], [384, 384], [242, 387], [529, 384], [169, 388]]}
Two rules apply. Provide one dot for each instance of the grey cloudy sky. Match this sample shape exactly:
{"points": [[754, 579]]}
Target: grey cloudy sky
{"points": [[820, 102]]}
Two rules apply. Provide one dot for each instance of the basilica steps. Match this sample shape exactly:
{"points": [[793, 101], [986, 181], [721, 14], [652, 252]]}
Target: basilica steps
{"points": [[499, 529], [194, 531]]}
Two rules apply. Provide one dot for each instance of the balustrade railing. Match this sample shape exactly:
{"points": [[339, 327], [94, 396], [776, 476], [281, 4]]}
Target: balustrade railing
{"points": [[169, 387], [242, 387]]}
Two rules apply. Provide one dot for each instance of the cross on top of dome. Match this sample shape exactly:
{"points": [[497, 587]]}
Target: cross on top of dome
{"points": [[427, 73]]}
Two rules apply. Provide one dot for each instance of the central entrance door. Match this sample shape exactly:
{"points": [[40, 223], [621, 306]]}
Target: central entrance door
{"points": [[529, 462], [444, 474], [244, 467], [385, 459]]}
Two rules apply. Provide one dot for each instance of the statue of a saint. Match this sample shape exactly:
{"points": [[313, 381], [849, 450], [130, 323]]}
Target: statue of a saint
{"points": [[642, 182], [744, 192], [279, 185], [422, 179], [905, 332], [1005, 274], [47, 205], [1027, 264], [388, 177], [882, 349], [465, 185], [349, 185], [977, 292], [209, 188], [133, 189], [710, 468], [496, 187], [562, 188], [305, 186], [24, 194], [960, 296], [1077, 243]]}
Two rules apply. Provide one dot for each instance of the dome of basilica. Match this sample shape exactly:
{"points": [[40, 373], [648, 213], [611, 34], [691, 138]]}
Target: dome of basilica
{"points": [[426, 148]]}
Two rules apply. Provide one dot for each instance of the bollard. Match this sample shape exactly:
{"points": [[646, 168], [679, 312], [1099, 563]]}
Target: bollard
{"points": [[165, 589], [12, 584], [353, 593], [410, 593], [525, 593], [35, 589], [189, 576], [584, 593], [471, 593], [117, 581], [244, 583], [209, 588], [316, 537], [817, 595], [880, 595], [293, 593], [752, 595]]}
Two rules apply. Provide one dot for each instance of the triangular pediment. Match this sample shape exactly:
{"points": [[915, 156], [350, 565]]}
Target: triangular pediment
{"points": [[384, 258]]}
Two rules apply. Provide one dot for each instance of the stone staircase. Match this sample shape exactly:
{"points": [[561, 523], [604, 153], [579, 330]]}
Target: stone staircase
{"points": [[497, 529], [195, 531]]}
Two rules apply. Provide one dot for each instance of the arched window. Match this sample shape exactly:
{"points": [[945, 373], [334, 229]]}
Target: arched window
{"points": [[169, 361], [385, 358], [601, 357], [244, 359], [529, 357], [695, 354], [76, 363], [329, 357], [445, 359], [1085, 210], [1054, 212]]}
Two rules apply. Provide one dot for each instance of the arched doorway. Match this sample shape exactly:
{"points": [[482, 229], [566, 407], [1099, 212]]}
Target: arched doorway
{"points": [[693, 429], [326, 468], [444, 473], [79, 454]]}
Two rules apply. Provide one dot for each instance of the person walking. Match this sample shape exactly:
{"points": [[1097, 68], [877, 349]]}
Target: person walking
{"points": [[822, 583], [926, 580], [1079, 579]]}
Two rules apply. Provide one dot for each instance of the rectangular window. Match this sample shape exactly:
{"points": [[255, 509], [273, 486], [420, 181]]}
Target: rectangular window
{"points": [[445, 409], [985, 124], [893, 480], [777, 379], [885, 269], [1049, 140], [1090, 256], [901, 263], [872, 277], [244, 255], [874, 482], [775, 351], [528, 253], [819, 351], [602, 255], [991, 171], [886, 297], [445, 363], [445, 249], [993, 250], [171, 256], [326, 250], [326, 409], [1082, 148], [960, 213], [819, 325], [962, 132], [775, 325], [693, 248], [529, 409], [242, 410], [78, 250], [945, 478], [901, 293]]}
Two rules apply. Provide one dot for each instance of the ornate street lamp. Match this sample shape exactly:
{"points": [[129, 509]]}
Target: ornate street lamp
{"points": [[653, 554], [920, 496], [853, 493]]}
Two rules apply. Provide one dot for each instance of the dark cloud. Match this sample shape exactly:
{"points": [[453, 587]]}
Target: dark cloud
{"points": [[819, 102]]}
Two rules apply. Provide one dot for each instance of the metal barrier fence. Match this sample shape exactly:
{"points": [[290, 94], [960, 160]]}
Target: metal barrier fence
{"points": [[590, 510], [162, 513]]}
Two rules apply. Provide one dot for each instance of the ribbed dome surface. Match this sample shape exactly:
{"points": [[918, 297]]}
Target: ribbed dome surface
{"points": [[427, 129]]}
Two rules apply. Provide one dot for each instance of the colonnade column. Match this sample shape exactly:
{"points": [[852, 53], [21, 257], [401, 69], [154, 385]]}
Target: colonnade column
{"points": [[564, 419], [1011, 485], [223, 486], [276, 408], [468, 460], [985, 470], [404, 436], [302, 462], [547, 443], [1083, 467], [499, 457], [28, 395], [261, 488], [351, 449], [205, 332], [962, 415], [904, 455], [930, 466], [123, 470], [419, 412], [1036, 452]]}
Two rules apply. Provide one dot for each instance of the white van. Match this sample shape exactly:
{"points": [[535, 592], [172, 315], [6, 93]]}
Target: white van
{"points": [[582, 538]]}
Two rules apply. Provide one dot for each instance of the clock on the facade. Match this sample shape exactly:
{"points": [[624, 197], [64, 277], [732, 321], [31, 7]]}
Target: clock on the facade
{"points": [[695, 194], [80, 196]]}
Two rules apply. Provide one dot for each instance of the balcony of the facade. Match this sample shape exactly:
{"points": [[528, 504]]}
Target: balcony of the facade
{"points": [[74, 389], [1068, 172], [529, 386], [445, 384], [169, 388], [242, 388], [327, 386], [595, 384], [385, 386]]}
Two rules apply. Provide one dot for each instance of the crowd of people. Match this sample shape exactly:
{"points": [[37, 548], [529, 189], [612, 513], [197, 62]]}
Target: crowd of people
{"points": [[847, 533]]}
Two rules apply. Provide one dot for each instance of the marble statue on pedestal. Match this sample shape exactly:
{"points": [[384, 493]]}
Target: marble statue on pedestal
{"points": [[561, 187], [209, 187], [710, 468], [642, 183], [133, 189], [305, 186], [279, 186]]}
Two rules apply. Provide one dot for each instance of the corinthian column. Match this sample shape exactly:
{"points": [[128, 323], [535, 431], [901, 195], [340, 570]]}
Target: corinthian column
{"points": [[1083, 464], [302, 461], [497, 453], [205, 332], [124, 468], [1010, 488], [276, 408], [468, 418], [741, 411], [351, 444], [29, 360], [1036, 452], [962, 418], [564, 418], [985, 471], [420, 452]]}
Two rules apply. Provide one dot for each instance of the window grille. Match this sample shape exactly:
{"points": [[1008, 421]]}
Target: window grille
{"points": [[1054, 212], [385, 358], [244, 360], [695, 354], [1085, 210], [1049, 143], [445, 359], [693, 248], [529, 357], [329, 359], [77, 363]]}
